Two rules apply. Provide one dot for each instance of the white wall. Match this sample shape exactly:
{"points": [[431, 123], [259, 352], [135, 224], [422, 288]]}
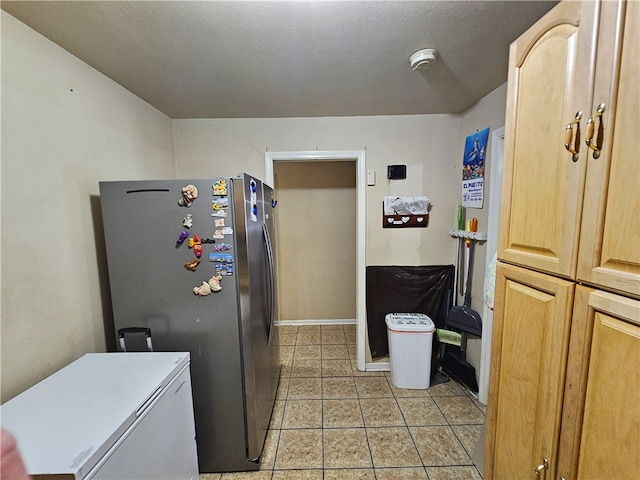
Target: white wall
{"points": [[64, 128], [488, 112], [427, 144]]}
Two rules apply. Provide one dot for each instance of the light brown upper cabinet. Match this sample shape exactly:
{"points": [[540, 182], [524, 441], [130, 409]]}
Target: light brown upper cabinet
{"points": [[609, 253], [573, 209], [542, 200]]}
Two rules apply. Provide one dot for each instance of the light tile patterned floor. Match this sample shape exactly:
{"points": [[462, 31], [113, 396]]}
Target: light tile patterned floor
{"points": [[332, 422]]}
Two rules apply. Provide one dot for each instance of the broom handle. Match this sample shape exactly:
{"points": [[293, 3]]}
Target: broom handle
{"points": [[461, 268], [467, 293]]}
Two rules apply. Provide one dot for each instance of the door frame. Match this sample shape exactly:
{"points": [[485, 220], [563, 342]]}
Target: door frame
{"points": [[357, 156]]}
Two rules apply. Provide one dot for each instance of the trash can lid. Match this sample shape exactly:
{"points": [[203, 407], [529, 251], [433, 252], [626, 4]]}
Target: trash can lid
{"points": [[409, 322]]}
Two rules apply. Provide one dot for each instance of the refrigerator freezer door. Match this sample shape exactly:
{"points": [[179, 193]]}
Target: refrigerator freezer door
{"points": [[260, 360], [150, 287]]}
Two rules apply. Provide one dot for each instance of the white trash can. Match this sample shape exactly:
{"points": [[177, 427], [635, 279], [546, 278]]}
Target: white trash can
{"points": [[410, 341]]}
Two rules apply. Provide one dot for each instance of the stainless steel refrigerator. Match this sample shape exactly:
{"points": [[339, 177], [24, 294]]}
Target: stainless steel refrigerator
{"points": [[198, 270]]}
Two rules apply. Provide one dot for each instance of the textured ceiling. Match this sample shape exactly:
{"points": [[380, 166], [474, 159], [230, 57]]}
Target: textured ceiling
{"points": [[224, 59]]}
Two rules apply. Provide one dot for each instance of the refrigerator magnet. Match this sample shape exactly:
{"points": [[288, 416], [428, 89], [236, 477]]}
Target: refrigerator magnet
{"points": [[254, 200], [214, 283], [196, 244], [219, 222], [223, 262], [222, 247], [205, 288], [202, 290], [219, 203], [225, 269], [195, 240], [189, 194], [183, 236], [192, 265], [187, 221], [220, 187]]}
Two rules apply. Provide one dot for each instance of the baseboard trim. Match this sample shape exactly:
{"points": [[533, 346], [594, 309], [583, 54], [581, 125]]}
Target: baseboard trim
{"points": [[326, 321], [377, 367]]}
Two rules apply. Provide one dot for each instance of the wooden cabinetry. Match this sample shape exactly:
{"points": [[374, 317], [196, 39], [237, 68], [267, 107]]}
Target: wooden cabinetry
{"points": [[564, 395], [575, 216], [565, 381], [609, 252], [542, 188], [532, 320], [600, 433]]}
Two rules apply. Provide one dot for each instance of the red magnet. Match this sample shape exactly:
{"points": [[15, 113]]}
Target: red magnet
{"points": [[196, 244], [193, 241]]}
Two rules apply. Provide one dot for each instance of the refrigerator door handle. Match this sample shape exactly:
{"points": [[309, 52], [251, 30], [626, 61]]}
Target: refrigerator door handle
{"points": [[271, 276]]}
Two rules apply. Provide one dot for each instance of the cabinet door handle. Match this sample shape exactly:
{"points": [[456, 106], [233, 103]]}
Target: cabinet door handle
{"points": [[571, 143], [543, 466], [595, 144]]}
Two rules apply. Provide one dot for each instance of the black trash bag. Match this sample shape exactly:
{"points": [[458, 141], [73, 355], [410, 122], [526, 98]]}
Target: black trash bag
{"points": [[424, 289]]}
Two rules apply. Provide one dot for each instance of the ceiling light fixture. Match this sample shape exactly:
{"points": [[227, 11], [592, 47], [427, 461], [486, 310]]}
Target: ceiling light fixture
{"points": [[423, 58]]}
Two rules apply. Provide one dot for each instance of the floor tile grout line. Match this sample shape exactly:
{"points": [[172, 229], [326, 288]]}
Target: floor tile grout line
{"points": [[366, 435], [453, 431], [449, 425], [408, 429], [284, 406], [275, 453], [470, 455], [364, 423]]}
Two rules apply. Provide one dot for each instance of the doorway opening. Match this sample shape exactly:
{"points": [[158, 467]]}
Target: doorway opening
{"points": [[358, 157]]}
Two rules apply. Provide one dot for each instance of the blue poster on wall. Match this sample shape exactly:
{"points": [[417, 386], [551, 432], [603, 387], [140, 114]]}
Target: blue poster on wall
{"points": [[475, 148]]}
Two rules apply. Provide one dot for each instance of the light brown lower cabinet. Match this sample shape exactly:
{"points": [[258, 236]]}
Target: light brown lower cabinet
{"points": [[600, 431], [564, 394]]}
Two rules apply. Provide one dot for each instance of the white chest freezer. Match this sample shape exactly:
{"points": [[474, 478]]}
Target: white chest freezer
{"points": [[108, 416]]}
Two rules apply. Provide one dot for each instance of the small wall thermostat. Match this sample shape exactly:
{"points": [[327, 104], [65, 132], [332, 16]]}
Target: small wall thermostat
{"points": [[396, 172]]}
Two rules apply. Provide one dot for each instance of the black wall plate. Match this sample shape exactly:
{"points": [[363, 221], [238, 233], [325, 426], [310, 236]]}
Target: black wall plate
{"points": [[396, 172]]}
